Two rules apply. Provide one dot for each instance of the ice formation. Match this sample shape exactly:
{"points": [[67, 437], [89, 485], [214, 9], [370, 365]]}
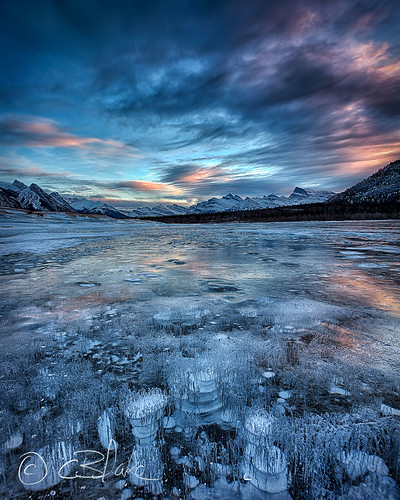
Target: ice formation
{"points": [[221, 431], [203, 396], [389, 411], [105, 429], [145, 411], [178, 316], [147, 468], [264, 465], [357, 463]]}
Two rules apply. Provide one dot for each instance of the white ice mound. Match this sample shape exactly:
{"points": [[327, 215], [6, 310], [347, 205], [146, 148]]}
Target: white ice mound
{"points": [[357, 463], [268, 471], [202, 395], [145, 412], [47, 467], [264, 465]]}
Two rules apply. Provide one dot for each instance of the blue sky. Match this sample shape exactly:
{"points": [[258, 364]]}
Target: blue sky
{"points": [[177, 101]]}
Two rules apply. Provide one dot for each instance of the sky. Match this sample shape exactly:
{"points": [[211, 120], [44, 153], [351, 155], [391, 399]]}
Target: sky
{"points": [[146, 102]]}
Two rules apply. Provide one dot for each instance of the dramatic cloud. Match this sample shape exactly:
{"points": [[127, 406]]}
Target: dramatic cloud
{"points": [[195, 99]]}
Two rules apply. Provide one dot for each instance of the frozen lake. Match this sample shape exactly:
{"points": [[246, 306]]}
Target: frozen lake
{"points": [[227, 361]]}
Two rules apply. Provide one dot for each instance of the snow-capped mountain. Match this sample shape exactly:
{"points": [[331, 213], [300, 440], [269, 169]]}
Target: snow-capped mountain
{"points": [[9, 194], [233, 203], [84, 206], [19, 195], [158, 210], [381, 187], [34, 198]]}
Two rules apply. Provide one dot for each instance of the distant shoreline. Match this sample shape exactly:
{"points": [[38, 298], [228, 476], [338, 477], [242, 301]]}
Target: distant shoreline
{"points": [[298, 213]]}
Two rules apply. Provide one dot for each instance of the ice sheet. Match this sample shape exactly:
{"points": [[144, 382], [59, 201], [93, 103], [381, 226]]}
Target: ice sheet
{"points": [[286, 320]]}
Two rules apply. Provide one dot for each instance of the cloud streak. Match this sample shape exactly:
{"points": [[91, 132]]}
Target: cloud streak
{"points": [[41, 133]]}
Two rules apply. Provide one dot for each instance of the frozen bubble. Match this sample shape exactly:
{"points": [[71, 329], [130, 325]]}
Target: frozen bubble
{"points": [[190, 481], [185, 317], [259, 424], [334, 389], [169, 422], [85, 284], [389, 411], [105, 430], [14, 441], [285, 394], [145, 412], [175, 451], [248, 312]]}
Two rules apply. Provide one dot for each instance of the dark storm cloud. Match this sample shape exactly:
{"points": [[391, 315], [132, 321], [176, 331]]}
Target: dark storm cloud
{"points": [[302, 81]]}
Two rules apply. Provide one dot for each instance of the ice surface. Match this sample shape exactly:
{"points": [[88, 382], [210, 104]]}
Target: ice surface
{"points": [[194, 345]]}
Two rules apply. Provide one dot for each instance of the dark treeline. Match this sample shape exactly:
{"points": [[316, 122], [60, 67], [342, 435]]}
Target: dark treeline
{"points": [[338, 210]]}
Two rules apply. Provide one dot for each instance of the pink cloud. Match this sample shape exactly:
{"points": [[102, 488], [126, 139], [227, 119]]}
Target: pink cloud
{"points": [[151, 186], [42, 132]]}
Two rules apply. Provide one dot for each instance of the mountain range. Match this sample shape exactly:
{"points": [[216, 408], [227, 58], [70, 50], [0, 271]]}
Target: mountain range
{"points": [[33, 197], [381, 188], [233, 203]]}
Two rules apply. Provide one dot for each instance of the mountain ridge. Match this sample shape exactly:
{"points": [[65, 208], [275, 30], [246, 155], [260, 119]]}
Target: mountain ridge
{"points": [[233, 203], [382, 186], [33, 197]]}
